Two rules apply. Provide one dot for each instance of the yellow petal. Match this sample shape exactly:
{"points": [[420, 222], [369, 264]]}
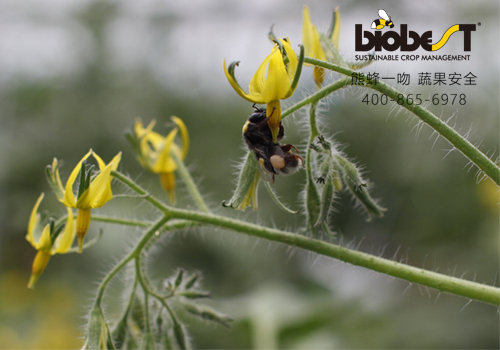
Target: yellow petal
{"points": [[34, 222], [273, 111], [336, 29], [277, 82], [293, 61], [258, 80], [65, 238], [139, 129], [310, 38], [100, 162], [252, 96], [164, 162], [99, 190], [184, 135], [69, 197]]}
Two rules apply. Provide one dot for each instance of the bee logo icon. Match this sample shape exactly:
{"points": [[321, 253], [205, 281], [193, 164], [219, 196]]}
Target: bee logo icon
{"points": [[383, 21]]}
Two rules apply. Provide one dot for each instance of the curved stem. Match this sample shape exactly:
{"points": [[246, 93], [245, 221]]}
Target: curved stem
{"points": [[318, 95], [137, 250], [444, 283], [458, 141], [468, 289], [191, 186]]}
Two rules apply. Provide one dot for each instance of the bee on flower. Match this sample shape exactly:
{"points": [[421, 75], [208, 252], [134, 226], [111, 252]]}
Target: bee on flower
{"points": [[283, 71]]}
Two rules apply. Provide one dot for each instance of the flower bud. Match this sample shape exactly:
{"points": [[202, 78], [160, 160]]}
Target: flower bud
{"points": [[246, 189], [98, 336]]}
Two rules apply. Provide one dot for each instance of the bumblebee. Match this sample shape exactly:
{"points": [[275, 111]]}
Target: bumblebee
{"points": [[274, 158], [383, 21]]}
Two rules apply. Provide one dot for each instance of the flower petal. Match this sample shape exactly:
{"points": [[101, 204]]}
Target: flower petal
{"points": [[310, 38], [65, 239], [184, 135], [69, 199], [252, 96], [164, 162], [278, 82], [34, 222], [99, 191]]}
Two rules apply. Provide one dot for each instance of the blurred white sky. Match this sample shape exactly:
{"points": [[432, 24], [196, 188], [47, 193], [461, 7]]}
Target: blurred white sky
{"points": [[186, 41]]}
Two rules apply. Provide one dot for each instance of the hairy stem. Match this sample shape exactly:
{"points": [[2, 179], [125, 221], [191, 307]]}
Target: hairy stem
{"points": [[318, 95], [191, 186], [134, 253], [468, 289], [458, 141]]}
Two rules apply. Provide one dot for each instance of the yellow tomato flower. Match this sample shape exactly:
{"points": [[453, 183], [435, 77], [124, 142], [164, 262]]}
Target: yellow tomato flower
{"points": [[276, 79], [43, 240], [93, 191], [312, 46], [155, 152]]}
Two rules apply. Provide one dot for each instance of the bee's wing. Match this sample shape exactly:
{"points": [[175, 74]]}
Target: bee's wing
{"points": [[384, 15], [266, 175]]}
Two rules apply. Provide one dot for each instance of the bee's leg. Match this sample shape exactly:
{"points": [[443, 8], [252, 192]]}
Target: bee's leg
{"points": [[288, 148]]}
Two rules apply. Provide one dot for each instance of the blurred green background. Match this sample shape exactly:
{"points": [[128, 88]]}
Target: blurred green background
{"points": [[74, 75]]}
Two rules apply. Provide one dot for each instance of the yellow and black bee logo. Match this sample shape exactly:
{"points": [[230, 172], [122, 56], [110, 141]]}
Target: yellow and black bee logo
{"points": [[383, 21]]}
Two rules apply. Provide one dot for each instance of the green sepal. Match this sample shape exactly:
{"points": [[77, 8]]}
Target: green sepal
{"points": [[180, 334], [312, 202], [277, 201], [55, 230], [178, 277], [191, 280], [357, 187], [296, 77], [230, 70], [327, 197], [97, 332], [194, 294], [245, 180], [208, 314], [335, 20], [50, 172]]}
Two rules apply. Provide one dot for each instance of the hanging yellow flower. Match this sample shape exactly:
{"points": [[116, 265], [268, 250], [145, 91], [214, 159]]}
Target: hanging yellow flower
{"points": [[48, 241], [276, 79], [93, 190], [155, 152], [311, 40], [312, 46]]}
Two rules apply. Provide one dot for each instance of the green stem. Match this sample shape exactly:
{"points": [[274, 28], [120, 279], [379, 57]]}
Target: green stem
{"points": [[468, 289], [139, 190], [191, 186], [318, 95], [119, 221], [444, 283], [458, 141], [137, 250]]}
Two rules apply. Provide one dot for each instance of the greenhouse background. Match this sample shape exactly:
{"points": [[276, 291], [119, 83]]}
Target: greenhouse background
{"points": [[76, 75]]}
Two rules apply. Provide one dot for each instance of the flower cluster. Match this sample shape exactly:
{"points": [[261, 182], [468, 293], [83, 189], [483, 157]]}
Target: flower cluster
{"points": [[89, 188]]}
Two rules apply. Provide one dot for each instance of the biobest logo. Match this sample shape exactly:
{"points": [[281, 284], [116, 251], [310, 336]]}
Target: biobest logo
{"points": [[380, 39]]}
